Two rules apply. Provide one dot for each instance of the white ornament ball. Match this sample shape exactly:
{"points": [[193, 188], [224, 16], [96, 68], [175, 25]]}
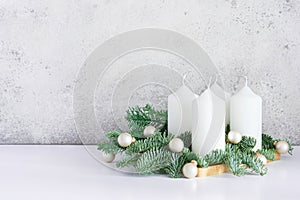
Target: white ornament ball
{"points": [[234, 137], [262, 158], [282, 147], [149, 130], [125, 139], [190, 170], [176, 145], [108, 157]]}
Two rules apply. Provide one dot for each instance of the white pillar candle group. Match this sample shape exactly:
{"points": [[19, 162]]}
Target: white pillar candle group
{"points": [[208, 114]]}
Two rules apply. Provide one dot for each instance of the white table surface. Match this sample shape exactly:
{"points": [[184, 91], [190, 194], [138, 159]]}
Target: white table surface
{"points": [[69, 172]]}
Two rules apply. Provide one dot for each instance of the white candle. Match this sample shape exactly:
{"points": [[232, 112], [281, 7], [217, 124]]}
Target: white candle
{"points": [[246, 114], [208, 125], [179, 110], [225, 96]]}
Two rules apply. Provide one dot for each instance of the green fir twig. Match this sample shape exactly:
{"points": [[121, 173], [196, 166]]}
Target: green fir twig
{"points": [[158, 140], [153, 160], [110, 147]]}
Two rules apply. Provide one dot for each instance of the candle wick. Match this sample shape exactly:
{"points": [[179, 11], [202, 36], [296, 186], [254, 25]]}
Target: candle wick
{"points": [[216, 78], [184, 77], [246, 80], [210, 82]]}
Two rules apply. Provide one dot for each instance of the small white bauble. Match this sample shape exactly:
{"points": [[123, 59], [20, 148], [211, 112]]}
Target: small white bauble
{"points": [[234, 137], [125, 139], [262, 158], [176, 145], [107, 157], [149, 130], [190, 170], [282, 147]]}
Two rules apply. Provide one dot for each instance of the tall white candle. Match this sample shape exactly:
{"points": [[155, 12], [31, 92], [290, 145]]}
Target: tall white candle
{"points": [[180, 110], [226, 97], [246, 114], [208, 125]]}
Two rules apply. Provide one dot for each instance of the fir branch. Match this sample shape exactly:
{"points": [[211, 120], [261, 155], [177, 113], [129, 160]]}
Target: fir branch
{"points": [[110, 147], [247, 143], [235, 165], [215, 157], [113, 134], [189, 156], [229, 148], [267, 142], [175, 166], [144, 116], [254, 163], [268, 153], [238, 160], [128, 160], [137, 132], [233, 160], [139, 115], [156, 141], [186, 150], [186, 137], [153, 160]]}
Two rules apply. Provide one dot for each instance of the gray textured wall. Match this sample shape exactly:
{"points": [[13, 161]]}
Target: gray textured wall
{"points": [[43, 44]]}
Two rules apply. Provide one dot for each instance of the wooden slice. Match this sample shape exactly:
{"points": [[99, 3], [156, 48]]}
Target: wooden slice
{"points": [[212, 170]]}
